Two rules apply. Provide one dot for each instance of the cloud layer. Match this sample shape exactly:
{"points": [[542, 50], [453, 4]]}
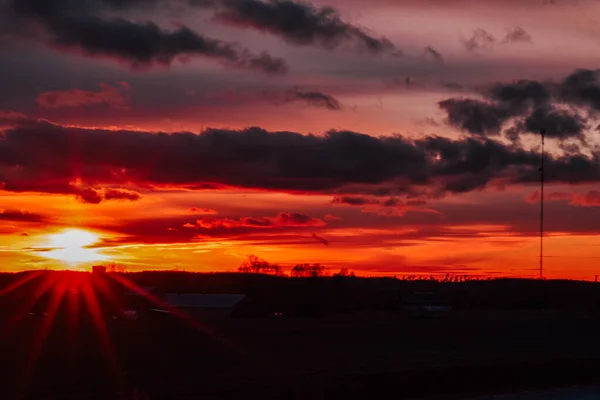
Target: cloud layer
{"points": [[115, 97], [39, 156], [300, 23], [314, 99], [563, 109], [77, 26], [280, 221]]}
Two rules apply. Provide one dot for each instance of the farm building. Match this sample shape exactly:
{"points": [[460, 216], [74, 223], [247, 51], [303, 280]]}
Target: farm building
{"points": [[205, 304], [99, 270], [151, 300], [140, 301]]}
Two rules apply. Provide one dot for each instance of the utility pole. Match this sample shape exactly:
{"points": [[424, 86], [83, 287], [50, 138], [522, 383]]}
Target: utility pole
{"points": [[543, 134]]}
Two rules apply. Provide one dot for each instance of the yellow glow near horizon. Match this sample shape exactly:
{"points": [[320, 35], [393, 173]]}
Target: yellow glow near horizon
{"points": [[70, 246]]}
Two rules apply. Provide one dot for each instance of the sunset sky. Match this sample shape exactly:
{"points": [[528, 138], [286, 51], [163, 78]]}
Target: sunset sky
{"points": [[391, 137]]}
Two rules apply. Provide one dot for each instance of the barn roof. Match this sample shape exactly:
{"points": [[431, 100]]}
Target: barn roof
{"points": [[203, 300], [141, 291]]}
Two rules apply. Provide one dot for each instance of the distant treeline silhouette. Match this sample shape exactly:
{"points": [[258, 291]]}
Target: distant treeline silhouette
{"points": [[309, 288], [257, 265]]}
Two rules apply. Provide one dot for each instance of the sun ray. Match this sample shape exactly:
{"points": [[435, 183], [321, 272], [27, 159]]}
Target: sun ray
{"points": [[94, 309], [31, 301], [57, 294], [73, 326], [27, 277], [195, 324]]}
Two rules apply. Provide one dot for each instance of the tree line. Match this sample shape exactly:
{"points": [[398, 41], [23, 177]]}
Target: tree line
{"points": [[256, 265]]}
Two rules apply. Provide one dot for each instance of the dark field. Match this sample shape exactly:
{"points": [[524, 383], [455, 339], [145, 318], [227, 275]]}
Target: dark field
{"points": [[361, 354]]}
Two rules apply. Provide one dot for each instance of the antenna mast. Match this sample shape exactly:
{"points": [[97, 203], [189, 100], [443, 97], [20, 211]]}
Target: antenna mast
{"points": [[543, 134]]}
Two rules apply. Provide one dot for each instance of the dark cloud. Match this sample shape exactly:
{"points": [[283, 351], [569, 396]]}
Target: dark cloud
{"points": [[145, 44], [56, 183], [121, 194], [481, 39], [393, 206], [93, 195], [453, 86], [21, 216], [38, 157], [434, 54], [300, 23], [73, 26], [474, 116], [297, 22], [517, 35], [314, 98], [518, 96], [582, 87], [320, 239], [531, 106], [557, 123], [354, 200], [203, 211]]}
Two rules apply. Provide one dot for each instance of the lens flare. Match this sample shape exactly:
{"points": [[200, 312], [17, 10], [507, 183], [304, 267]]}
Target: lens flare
{"points": [[72, 247]]}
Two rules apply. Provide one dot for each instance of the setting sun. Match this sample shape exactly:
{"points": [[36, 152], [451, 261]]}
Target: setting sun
{"points": [[71, 246]]}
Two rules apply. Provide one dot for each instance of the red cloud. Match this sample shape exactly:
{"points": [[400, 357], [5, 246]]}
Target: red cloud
{"points": [[590, 199], [115, 97], [390, 207], [330, 217], [85, 194], [552, 196], [354, 200], [11, 115], [121, 194], [202, 211], [20, 216], [95, 196], [280, 221]]}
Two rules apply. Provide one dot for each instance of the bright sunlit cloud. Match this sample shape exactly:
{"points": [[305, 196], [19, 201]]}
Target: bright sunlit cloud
{"points": [[70, 246]]}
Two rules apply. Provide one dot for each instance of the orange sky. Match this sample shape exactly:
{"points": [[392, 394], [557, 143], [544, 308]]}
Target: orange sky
{"points": [[429, 166]]}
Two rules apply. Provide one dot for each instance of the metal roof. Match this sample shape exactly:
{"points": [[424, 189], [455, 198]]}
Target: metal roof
{"points": [[141, 291], [203, 300]]}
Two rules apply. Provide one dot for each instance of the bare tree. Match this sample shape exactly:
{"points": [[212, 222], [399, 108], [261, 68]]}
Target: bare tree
{"points": [[256, 265], [308, 271], [115, 268], [344, 273]]}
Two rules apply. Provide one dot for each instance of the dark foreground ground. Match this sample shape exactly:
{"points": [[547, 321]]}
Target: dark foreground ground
{"points": [[357, 356]]}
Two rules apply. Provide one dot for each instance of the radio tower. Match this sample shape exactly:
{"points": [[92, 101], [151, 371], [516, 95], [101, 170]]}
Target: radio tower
{"points": [[543, 134]]}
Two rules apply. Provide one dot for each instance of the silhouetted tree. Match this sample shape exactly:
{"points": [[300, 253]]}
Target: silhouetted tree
{"points": [[115, 268], [308, 271], [345, 273], [256, 265]]}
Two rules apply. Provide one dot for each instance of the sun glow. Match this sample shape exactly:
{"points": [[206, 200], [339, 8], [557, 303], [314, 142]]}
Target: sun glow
{"points": [[71, 246]]}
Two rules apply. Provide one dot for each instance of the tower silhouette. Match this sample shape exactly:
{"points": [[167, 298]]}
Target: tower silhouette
{"points": [[543, 135]]}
